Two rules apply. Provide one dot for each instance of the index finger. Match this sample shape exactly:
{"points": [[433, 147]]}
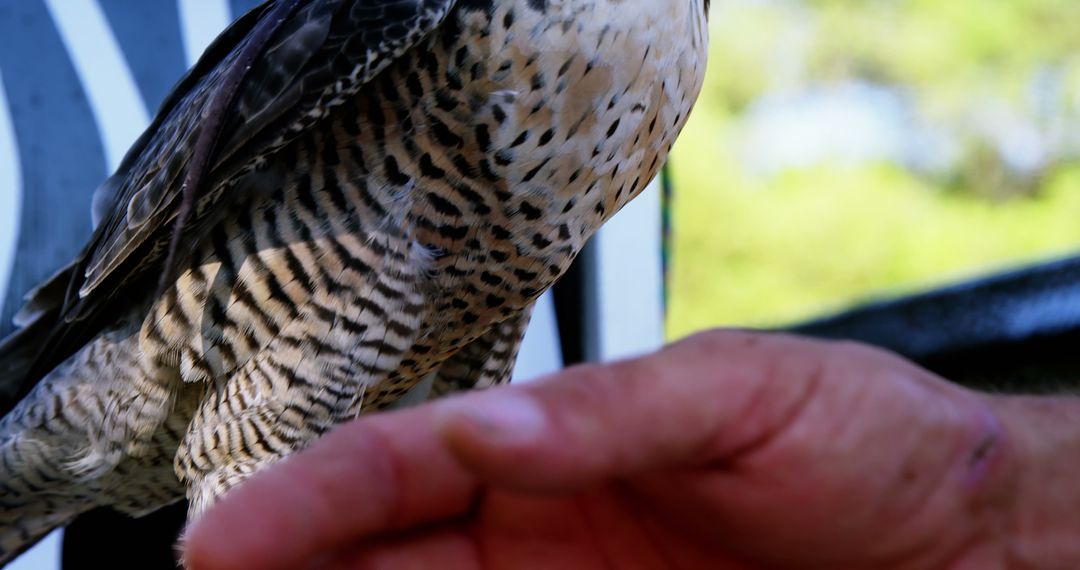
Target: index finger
{"points": [[367, 477]]}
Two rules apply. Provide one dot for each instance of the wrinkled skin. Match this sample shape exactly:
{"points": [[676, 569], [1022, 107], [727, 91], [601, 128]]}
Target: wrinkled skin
{"points": [[728, 450]]}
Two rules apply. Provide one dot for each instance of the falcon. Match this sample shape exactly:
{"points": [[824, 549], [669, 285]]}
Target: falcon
{"points": [[340, 199]]}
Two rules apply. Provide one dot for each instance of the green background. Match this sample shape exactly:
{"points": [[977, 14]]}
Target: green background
{"points": [[768, 249]]}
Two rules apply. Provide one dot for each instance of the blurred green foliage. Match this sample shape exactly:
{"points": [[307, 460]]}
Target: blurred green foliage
{"points": [[944, 51], [764, 250]]}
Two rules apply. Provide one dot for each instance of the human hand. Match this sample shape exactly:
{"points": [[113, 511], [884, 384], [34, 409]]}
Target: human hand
{"points": [[728, 450]]}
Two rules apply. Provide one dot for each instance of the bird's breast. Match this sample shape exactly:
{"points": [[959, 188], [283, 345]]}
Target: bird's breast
{"points": [[520, 126], [457, 185]]}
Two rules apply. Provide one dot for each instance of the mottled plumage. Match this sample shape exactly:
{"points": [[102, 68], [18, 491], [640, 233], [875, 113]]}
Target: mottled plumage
{"points": [[379, 197]]}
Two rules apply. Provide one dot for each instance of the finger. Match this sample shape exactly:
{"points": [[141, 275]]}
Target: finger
{"points": [[703, 400], [595, 530], [371, 476], [445, 548]]}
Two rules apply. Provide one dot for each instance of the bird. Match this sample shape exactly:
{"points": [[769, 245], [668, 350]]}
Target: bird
{"points": [[341, 199]]}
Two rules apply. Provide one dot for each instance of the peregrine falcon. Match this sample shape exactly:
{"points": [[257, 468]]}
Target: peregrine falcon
{"points": [[340, 199]]}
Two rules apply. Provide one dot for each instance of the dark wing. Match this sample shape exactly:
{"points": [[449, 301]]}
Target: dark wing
{"points": [[273, 73], [322, 52]]}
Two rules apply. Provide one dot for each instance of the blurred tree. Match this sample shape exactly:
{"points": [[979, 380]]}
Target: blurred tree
{"points": [[956, 155]]}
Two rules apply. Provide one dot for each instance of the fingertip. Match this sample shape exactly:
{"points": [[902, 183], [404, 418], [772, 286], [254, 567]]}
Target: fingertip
{"points": [[270, 521], [201, 547], [190, 556], [480, 428]]}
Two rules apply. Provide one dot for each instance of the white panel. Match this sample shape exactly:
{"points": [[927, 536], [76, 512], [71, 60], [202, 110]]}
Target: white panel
{"points": [[104, 73], [10, 193], [629, 280], [45, 555], [200, 22], [541, 352]]}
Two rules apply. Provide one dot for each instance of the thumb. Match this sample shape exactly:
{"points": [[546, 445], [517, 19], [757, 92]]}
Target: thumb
{"points": [[705, 399]]}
